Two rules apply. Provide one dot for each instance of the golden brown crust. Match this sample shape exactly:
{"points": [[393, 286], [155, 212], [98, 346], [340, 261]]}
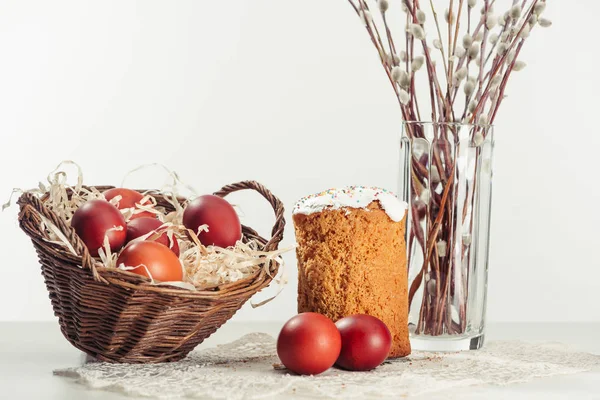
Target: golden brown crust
{"points": [[353, 261]]}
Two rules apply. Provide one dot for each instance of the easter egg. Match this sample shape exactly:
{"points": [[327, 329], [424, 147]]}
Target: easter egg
{"points": [[309, 344], [366, 342], [224, 228], [96, 219]]}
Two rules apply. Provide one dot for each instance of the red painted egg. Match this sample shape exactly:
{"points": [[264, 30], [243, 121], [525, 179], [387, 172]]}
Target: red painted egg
{"points": [[142, 226], [152, 258], [129, 199], [94, 220], [366, 342], [224, 228], [309, 344]]}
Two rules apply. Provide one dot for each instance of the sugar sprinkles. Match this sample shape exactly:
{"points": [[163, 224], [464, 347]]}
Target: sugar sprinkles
{"points": [[352, 197]]}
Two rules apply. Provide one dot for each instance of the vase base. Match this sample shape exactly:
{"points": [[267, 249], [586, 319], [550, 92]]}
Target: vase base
{"points": [[446, 343]]}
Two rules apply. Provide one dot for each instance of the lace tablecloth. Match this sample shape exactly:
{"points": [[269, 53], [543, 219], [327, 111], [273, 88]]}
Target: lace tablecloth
{"points": [[248, 369]]}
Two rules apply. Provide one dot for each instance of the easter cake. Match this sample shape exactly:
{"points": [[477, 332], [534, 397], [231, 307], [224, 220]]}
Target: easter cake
{"points": [[352, 257]]}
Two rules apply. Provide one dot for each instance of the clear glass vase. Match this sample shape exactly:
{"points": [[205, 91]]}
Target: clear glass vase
{"points": [[446, 178]]}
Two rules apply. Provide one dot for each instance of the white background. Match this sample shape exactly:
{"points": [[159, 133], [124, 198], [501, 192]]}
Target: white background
{"points": [[290, 93]]}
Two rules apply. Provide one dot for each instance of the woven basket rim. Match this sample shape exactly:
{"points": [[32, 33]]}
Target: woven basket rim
{"points": [[31, 205]]}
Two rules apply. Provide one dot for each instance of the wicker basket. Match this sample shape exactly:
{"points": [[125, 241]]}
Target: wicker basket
{"points": [[118, 316]]}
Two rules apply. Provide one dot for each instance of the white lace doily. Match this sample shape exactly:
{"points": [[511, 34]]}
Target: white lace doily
{"points": [[244, 369]]}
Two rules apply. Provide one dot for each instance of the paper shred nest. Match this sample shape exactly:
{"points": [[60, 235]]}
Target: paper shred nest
{"points": [[203, 266]]}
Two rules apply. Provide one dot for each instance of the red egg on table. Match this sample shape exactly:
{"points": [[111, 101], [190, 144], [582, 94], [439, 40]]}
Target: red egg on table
{"points": [[142, 226], [129, 199], [366, 342], [96, 219], [224, 228], [309, 344], [153, 260]]}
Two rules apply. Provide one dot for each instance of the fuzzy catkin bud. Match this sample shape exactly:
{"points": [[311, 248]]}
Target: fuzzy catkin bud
{"points": [[395, 59], [404, 79], [431, 285], [461, 73], [496, 80], [483, 119], [467, 41], [473, 51], [515, 11], [493, 92], [502, 48], [472, 107], [417, 32], [417, 63], [449, 16], [437, 44], [469, 88], [525, 31], [466, 239], [501, 20], [403, 56], [459, 51], [519, 65], [494, 38], [491, 21], [472, 3], [396, 71], [397, 74], [365, 17], [479, 37], [533, 20], [404, 96], [421, 17], [545, 23], [434, 174], [478, 139], [539, 8], [383, 5], [442, 248], [511, 56], [425, 196]]}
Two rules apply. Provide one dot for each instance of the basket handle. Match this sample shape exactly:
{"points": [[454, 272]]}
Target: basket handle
{"points": [[31, 224], [277, 231]]}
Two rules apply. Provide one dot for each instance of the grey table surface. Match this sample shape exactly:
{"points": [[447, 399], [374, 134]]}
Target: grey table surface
{"points": [[30, 351]]}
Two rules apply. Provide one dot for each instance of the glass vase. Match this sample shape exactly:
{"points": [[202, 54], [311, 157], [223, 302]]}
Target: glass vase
{"points": [[446, 178]]}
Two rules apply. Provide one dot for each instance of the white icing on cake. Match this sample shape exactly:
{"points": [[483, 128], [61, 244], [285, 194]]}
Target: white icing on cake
{"points": [[352, 197]]}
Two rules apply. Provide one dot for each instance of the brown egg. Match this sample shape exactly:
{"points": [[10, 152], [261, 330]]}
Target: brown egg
{"points": [[309, 344], [142, 226], [366, 342], [96, 219], [224, 228], [129, 199], [152, 258]]}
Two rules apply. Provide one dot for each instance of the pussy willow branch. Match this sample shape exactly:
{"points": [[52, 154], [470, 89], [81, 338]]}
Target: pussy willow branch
{"points": [[439, 32], [376, 43], [488, 88], [482, 51], [504, 80], [450, 19], [502, 60]]}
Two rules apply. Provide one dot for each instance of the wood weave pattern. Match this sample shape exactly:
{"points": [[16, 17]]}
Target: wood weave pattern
{"points": [[119, 316]]}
